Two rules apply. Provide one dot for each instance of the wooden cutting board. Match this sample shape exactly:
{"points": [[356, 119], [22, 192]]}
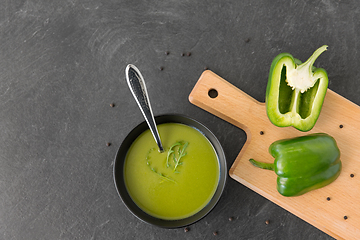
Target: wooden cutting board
{"points": [[339, 117]]}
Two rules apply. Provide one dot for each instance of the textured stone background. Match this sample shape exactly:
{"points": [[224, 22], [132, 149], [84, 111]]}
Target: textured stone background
{"points": [[62, 65]]}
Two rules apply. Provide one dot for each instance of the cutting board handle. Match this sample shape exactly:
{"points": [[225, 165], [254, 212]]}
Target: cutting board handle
{"points": [[217, 96]]}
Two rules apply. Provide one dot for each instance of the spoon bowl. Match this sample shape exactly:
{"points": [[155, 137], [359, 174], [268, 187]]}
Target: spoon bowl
{"points": [[138, 88]]}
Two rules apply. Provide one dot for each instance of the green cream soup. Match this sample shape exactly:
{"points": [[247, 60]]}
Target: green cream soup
{"points": [[174, 184]]}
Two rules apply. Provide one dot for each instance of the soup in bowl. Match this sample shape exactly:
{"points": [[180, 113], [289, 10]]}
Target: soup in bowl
{"points": [[176, 187]]}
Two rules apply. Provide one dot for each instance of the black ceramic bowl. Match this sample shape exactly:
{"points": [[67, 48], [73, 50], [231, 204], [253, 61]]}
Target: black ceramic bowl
{"points": [[119, 172]]}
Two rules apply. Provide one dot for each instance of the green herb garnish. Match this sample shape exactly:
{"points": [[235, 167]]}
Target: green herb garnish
{"points": [[176, 151], [154, 170], [170, 152], [180, 153]]}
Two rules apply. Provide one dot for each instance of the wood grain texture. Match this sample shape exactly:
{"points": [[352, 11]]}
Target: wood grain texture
{"points": [[238, 108]]}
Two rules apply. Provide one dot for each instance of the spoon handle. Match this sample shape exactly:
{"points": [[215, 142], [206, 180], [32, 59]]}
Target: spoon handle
{"points": [[138, 88]]}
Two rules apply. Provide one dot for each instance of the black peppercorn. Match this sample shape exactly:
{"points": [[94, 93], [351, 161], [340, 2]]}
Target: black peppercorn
{"points": [[267, 222], [352, 175], [231, 218], [108, 144], [261, 132], [215, 233], [186, 229], [112, 105], [328, 198], [341, 126], [345, 217], [188, 54]]}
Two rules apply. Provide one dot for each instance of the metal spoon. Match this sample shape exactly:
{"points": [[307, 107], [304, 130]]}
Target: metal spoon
{"points": [[138, 88]]}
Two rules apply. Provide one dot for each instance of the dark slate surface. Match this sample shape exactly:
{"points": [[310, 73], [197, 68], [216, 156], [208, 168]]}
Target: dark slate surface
{"points": [[62, 65]]}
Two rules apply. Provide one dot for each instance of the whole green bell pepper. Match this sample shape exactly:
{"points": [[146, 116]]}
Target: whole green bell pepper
{"points": [[295, 91], [303, 163]]}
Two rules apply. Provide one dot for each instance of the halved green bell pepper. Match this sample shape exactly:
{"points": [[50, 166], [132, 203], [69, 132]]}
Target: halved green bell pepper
{"points": [[303, 163], [295, 91]]}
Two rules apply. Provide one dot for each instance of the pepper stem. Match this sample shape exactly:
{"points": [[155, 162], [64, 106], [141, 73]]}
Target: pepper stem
{"points": [[302, 77], [262, 165], [310, 62]]}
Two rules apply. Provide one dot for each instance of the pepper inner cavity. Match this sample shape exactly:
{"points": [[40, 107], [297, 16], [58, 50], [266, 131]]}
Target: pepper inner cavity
{"points": [[304, 102]]}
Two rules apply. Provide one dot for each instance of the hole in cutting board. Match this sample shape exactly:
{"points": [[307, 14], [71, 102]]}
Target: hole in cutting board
{"points": [[213, 93]]}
